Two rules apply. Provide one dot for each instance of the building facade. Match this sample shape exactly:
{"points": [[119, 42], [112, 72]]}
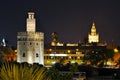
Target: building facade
{"points": [[73, 53], [30, 44], [93, 36]]}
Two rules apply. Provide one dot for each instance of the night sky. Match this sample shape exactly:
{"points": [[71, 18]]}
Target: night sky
{"points": [[71, 19]]}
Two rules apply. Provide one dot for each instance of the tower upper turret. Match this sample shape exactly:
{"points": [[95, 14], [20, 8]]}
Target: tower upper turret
{"points": [[93, 29], [31, 26]]}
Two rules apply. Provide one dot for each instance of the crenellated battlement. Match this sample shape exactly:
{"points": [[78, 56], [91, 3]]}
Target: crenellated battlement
{"points": [[30, 33]]}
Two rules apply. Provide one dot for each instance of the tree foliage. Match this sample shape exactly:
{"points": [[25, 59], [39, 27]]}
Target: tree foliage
{"points": [[7, 54], [96, 57], [15, 71]]}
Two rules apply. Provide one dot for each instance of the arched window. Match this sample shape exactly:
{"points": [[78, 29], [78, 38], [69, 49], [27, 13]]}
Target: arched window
{"points": [[30, 43], [36, 43], [24, 43], [37, 55], [23, 55]]}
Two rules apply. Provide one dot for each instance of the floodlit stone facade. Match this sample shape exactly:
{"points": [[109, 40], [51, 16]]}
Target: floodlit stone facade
{"points": [[30, 44], [93, 36]]}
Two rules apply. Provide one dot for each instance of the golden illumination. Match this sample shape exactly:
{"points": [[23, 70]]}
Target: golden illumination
{"points": [[59, 44], [115, 50], [68, 51], [53, 44], [109, 63], [71, 44], [78, 57], [50, 50], [53, 62], [15, 51], [69, 57], [57, 54], [77, 49], [72, 61], [116, 57], [48, 61], [93, 36]]}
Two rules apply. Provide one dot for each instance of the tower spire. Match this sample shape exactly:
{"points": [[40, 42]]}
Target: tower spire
{"points": [[93, 36], [93, 29]]}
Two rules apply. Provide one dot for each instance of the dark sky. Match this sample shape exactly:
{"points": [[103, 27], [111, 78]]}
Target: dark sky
{"points": [[71, 19]]}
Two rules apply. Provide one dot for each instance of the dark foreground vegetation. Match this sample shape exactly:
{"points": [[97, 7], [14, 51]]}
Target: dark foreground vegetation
{"points": [[89, 70], [115, 73], [24, 71]]}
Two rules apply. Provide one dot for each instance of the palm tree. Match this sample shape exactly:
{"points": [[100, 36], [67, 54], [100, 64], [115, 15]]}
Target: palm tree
{"points": [[15, 71]]}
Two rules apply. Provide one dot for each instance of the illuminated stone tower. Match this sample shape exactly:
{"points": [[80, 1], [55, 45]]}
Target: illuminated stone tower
{"points": [[30, 44], [93, 36]]}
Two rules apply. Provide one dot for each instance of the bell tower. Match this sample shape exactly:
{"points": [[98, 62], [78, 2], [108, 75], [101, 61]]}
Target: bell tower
{"points": [[93, 36], [31, 22]]}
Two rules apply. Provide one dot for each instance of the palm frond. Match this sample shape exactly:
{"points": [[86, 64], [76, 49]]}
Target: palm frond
{"points": [[15, 71]]}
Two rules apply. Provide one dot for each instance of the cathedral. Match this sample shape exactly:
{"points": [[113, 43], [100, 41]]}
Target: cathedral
{"points": [[93, 36], [30, 44]]}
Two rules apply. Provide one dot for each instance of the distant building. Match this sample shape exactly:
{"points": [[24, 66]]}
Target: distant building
{"points": [[93, 37], [30, 44], [72, 53]]}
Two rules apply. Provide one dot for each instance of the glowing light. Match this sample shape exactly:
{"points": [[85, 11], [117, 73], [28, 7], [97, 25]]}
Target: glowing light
{"points": [[72, 44], [48, 61], [115, 50], [77, 49], [93, 36], [72, 61], [53, 62], [53, 44], [109, 63], [56, 44], [116, 57], [68, 51], [69, 57], [59, 44], [58, 54], [78, 57], [15, 51], [50, 50]]}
